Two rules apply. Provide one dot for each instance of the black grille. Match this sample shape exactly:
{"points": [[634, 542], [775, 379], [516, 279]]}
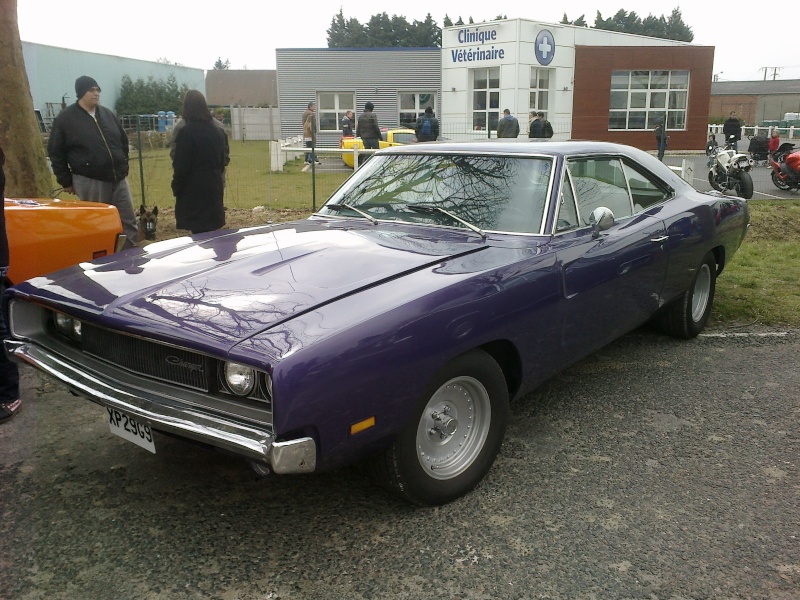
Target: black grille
{"points": [[140, 356]]}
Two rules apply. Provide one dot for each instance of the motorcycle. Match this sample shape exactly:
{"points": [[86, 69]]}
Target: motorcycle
{"points": [[730, 171], [783, 176]]}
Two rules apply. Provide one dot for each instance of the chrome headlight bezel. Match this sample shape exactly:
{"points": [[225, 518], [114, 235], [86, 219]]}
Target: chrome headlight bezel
{"points": [[240, 380], [68, 326], [244, 381]]}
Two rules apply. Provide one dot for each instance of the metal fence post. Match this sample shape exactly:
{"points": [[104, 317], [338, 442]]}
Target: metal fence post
{"points": [[141, 163]]}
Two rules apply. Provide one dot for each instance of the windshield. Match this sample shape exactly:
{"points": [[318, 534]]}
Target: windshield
{"points": [[491, 193]]}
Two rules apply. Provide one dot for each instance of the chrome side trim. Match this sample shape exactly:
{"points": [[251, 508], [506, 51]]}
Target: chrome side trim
{"points": [[251, 442]]}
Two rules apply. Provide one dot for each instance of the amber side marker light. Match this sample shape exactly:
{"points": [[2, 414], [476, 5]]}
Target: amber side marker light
{"points": [[99, 254], [362, 425]]}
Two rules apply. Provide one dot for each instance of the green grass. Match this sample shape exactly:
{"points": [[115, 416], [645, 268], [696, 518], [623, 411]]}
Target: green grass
{"points": [[249, 182], [759, 285]]}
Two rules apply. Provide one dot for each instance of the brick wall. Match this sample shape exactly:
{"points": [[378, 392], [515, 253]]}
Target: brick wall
{"points": [[593, 67]]}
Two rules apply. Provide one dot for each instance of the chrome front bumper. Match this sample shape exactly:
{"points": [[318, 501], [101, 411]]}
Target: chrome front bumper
{"points": [[250, 442]]}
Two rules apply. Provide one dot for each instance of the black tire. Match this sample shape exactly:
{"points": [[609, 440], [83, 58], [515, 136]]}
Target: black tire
{"points": [[713, 181], [453, 436], [781, 185], [745, 186], [687, 316]]}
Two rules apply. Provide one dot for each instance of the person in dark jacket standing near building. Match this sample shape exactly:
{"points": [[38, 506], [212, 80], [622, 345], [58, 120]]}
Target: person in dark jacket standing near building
{"points": [[9, 373], [732, 128], [508, 126], [661, 139], [88, 151], [368, 129], [427, 127], [197, 181]]}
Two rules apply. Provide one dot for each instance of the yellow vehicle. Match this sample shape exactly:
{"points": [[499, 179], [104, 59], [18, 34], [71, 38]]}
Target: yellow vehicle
{"points": [[46, 234], [394, 137]]}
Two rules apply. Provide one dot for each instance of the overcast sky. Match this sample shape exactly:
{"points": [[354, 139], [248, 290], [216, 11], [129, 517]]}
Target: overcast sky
{"points": [[247, 32]]}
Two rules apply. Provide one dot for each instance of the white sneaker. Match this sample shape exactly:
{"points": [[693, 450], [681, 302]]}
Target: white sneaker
{"points": [[317, 162]]}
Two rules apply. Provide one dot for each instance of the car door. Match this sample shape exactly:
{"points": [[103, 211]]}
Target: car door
{"points": [[612, 281]]}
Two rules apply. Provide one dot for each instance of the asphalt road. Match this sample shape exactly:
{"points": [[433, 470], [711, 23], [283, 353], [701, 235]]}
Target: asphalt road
{"points": [[656, 468]]}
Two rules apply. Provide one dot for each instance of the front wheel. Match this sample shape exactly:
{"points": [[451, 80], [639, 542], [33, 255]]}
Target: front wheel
{"points": [[712, 179], [744, 186], [453, 436], [779, 183], [687, 316]]}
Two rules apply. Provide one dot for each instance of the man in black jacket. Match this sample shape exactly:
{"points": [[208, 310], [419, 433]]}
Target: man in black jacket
{"points": [[732, 130], [427, 127], [88, 151]]}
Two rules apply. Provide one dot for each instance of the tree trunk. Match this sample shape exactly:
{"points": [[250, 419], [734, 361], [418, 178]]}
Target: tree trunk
{"points": [[27, 173]]}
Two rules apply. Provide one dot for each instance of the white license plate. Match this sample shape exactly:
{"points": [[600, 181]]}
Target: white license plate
{"points": [[127, 427]]}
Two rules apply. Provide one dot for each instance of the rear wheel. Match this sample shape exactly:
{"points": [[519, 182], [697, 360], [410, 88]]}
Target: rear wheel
{"points": [[453, 436], [745, 186], [713, 181], [781, 185], [688, 315]]}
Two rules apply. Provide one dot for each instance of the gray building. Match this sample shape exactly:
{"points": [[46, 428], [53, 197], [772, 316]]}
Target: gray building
{"points": [[229, 87], [52, 72], [755, 101], [400, 82]]}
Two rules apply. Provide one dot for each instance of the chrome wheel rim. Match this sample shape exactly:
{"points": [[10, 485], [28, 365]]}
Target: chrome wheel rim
{"points": [[701, 292], [453, 427]]}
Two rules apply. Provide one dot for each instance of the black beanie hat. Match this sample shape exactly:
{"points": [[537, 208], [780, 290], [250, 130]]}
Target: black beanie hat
{"points": [[369, 106], [83, 84]]}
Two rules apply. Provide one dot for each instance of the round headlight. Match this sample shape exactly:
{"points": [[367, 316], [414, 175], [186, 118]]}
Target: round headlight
{"points": [[76, 329], [64, 324], [240, 379]]}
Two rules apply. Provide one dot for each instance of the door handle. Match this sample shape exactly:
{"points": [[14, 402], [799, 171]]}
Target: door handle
{"points": [[660, 239]]}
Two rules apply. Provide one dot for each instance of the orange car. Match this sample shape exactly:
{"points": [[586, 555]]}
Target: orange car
{"points": [[47, 234]]}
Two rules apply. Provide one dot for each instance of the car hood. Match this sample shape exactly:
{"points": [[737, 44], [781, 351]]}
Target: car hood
{"points": [[231, 286]]}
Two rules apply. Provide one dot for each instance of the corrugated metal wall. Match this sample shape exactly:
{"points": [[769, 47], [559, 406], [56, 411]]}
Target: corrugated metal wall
{"points": [[374, 74]]}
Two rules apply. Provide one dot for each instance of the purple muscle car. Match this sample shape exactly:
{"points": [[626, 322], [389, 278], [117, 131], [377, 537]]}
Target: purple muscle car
{"points": [[394, 325]]}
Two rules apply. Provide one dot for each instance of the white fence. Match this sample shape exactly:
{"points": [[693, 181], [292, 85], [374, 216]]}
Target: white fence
{"points": [[786, 133]]}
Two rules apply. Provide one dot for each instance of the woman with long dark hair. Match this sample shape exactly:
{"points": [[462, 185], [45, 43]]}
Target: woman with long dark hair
{"points": [[198, 165]]}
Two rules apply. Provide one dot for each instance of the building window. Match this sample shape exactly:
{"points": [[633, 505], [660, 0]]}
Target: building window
{"points": [[331, 107], [540, 91], [485, 98], [640, 99], [412, 105]]}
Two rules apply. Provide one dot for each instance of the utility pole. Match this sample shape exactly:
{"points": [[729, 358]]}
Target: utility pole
{"points": [[774, 72]]}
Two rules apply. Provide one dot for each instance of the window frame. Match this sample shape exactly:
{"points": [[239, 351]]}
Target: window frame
{"points": [[489, 116], [537, 93], [642, 101], [338, 109], [419, 106]]}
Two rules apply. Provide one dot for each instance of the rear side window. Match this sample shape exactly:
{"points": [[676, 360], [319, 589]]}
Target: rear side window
{"points": [[600, 182], [644, 190]]}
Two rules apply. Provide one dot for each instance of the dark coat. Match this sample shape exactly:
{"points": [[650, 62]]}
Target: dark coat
{"points": [[732, 127], [197, 181], [368, 128], [434, 135], [95, 149], [508, 127]]}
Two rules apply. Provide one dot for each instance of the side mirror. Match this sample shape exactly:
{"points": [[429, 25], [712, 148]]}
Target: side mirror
{"points": [[601, 219]]}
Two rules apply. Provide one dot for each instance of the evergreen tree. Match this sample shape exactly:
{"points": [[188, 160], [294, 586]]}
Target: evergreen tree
{"points": [[222, 66], [672, 28], [337, 32], [676, 29], [142, 97]]}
